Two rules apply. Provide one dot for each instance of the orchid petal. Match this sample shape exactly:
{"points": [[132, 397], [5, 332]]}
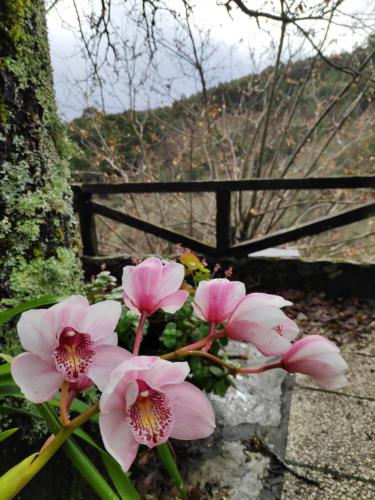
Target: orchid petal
{"points": [[107, 358], [192, 412], [99, 320], [217, 298], [124, 373], [164, 372], [266, 299], [142, 284], [318, 358], [37, 379], [173, 302], [172, 277], [118, 438], [130, 304], [38, 331], [69, 311], [268, 328]]}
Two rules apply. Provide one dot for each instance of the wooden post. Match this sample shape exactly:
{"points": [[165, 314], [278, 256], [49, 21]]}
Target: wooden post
{"points": [[223, 228], [86, 221]]}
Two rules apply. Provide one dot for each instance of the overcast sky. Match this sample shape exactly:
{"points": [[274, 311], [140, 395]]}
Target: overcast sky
{"points": [[233, 38]]}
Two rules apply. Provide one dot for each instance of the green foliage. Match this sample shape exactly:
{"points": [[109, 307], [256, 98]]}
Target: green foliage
{"points": [[12, 17], [40, 276], [25, 306]]}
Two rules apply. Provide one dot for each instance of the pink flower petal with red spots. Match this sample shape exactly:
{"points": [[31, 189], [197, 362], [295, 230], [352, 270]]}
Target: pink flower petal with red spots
{"points": [[68, 339], [150, 398], [267, 328]]}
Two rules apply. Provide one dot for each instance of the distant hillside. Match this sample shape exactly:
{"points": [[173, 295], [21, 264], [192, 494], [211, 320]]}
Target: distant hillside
{"points": [[318, 121], [124, 138]]}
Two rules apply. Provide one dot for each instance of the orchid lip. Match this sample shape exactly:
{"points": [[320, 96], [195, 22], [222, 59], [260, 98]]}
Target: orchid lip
{"points": [[150, 416], [74, 354]]}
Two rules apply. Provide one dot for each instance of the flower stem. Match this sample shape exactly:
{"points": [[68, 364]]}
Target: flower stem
{"points": [[139, 333], [211, 334], [64, 399], [260, 369], [199, 343], [180, 354]]}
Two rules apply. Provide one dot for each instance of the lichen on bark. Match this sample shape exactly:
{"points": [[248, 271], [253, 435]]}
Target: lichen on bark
{"points": [[38, 234]]}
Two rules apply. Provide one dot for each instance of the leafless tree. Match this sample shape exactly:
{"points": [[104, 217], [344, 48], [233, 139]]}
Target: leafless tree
{"points": [[283, 121]]}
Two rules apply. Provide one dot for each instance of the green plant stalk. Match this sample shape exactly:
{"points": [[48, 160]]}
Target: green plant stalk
{"points": [[82, 463], [169, 463], [181, 354], [10, 489]]}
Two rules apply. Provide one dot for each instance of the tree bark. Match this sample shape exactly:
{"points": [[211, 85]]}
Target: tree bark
{"points": [[38, 246]]}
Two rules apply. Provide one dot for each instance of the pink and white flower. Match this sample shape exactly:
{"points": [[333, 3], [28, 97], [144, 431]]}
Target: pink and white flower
{"points": [[146, 402], [258, 319], [318, 358], [71, 341], [152, 285], [216, 299]]}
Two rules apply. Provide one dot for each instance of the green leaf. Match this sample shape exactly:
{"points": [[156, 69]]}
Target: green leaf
{"points": [[7, 433], [46, 300], [9, 410], [13, 477], [119, 478], [79, 459], [6, 357], [217, 371], [169, 463], [9, 390]]}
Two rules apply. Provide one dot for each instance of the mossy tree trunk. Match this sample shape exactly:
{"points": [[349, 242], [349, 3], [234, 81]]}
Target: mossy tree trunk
{"points": [[38, 252]]}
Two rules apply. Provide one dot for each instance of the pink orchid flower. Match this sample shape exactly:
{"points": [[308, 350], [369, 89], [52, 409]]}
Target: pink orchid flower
{"points": [[71, 341], [216, 299], [254, 318], [319, 358], [152, 285], [147, 401], [258, 319]]}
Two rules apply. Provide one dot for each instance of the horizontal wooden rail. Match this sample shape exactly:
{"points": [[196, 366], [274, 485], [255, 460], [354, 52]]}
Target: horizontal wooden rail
{"points": [[242, 185], [87, 208]]}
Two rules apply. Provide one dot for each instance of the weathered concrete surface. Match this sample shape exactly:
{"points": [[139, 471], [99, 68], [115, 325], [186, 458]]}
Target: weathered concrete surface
{"points": [[330, 449], [251, 423], [231, 472], [331, 435]]}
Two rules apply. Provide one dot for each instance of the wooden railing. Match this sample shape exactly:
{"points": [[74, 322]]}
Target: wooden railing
{"points": [[87, 208]]}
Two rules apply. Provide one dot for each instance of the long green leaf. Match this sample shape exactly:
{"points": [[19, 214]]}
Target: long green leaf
{"points": [[46, 300], [10, 390], [79, 459], [124, 486], [12, 476], [6, 357], [6, 379], [7, 433], [4, 369], [9, 410], [169, 463]]}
